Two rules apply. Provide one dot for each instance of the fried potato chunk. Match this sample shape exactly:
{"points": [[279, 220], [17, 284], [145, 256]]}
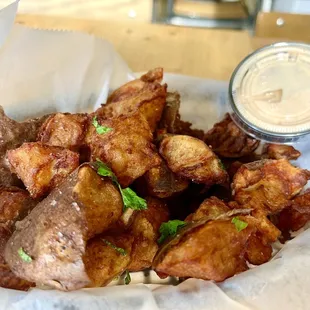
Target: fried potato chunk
{"points": [[127, 148], [268, 185], [161, 182], [53, 236], [296, 215], [42, 167], [145, 230], [228, 140], [211, 207], [171, 120], [280, 151], [210, 250], [64, 129], [191, 158], [15, 204], [258, 248], [107, 257], [12, 135], [145, 95], [257, 251]]}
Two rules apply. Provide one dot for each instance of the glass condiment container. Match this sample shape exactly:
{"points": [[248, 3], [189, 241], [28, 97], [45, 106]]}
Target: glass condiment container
{"points": [[269, 93]]}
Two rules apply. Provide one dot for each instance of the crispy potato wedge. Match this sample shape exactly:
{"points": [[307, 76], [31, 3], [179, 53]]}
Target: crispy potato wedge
{"points": [[281, 151], [127, 148], [171, 120], [65, 130], [15, 204], [161, 182], [268, 185], [12, 135], [258, 248], [228, 140], [55, 233], [296, 215], [145, 230], [103, 261], [42, 167], [145, 95], [191, 158], [208, 249]]}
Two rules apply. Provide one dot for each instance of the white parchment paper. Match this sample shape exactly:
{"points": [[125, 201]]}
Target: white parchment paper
{"points": [[48, 71]]}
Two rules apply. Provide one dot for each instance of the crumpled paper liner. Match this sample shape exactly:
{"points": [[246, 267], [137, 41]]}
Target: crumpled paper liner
{"points": [[48, 71]]}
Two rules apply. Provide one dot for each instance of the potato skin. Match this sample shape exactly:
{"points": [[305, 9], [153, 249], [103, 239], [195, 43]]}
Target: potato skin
{"points": [[280, 151], [15, 204], [65, 130], [128, 148], [268, 185], [228, 140], [55, 233], [42, 167], [191, 158], [102, 262], [210, 250]]}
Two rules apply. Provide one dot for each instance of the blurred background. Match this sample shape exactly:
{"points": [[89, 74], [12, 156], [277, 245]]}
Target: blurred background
{"points": [[270, 18]]}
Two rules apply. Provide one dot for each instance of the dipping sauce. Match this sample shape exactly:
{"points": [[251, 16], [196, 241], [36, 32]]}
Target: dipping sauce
{"points": [[270, 93]]}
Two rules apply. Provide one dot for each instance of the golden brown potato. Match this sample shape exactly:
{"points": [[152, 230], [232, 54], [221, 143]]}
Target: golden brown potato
{"points": [[280, 151], [211, 207], [145, 230], [42, 167], [296, 215], [13, 134], [268, 185], [191, 158], [145, 95], [65, 130], [15, 204], [107, 257], [228, 140], [161, 182], [127, 148], [53, 236], [257, 251], [210, 250]]}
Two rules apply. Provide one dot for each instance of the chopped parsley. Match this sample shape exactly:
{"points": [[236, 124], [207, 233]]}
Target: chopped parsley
{"points": [[100, 129], [240, 225], [24, 256], [222, 165], [130, 199], [169, 229], [127, 277], [113, 246]]}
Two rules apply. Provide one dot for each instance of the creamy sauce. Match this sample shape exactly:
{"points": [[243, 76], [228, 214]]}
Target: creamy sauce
{"points": [[272, 89]]}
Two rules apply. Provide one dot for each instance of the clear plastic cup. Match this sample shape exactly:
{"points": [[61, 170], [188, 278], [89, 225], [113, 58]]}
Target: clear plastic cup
{"points": [[269, 93]]}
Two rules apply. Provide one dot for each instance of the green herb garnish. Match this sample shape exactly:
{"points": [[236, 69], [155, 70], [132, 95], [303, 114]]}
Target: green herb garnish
{"points": [[222, 165], [169, 229], [113, 246], [105, 171], [100, 129], [240, 225], [127, 277], [130, 199], [24, 256]]}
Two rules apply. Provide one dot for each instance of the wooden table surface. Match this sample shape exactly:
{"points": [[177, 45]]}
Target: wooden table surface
{"points": [[207, 53]]}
